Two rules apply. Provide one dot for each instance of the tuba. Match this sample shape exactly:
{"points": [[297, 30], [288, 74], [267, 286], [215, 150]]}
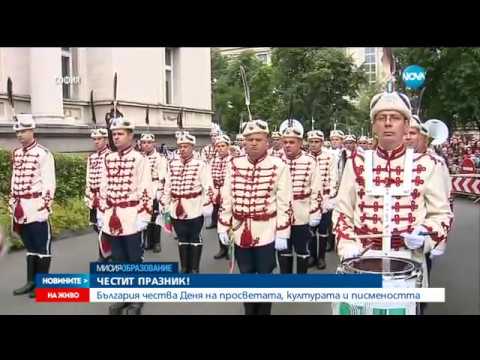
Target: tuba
{"points": [[437, 131]]}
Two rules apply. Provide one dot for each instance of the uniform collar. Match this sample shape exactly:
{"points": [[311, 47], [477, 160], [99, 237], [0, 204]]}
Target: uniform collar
{"points": [[150, 153], [393, 154], [186, 160], [295, 157], [101, 151], [31, 146], [255, 162], [125, 151]]}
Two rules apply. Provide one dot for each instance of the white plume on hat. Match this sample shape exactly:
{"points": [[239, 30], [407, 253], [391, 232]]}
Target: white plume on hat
{"points": [[291, 128], [24, 122]]}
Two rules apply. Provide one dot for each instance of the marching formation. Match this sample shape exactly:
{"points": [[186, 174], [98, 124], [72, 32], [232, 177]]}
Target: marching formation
{"points": [[273, 200]]}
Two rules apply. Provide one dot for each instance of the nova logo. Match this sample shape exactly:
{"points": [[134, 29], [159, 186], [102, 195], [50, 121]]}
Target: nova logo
{"points": [[413, 76]]}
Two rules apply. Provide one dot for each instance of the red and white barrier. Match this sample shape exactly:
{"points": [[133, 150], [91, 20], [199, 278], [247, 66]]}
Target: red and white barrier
{"points": [[468, 184]]}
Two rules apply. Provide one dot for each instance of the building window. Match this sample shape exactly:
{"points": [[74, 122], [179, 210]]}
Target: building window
{"points": [[67, 72], [370, 65], [169, 75]]}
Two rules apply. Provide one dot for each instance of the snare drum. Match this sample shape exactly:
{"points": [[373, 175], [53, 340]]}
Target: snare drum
{"points": [[396, 272]]}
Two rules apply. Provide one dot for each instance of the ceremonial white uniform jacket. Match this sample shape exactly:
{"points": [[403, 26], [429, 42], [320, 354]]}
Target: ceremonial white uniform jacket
{"points": [[188, 188], [328, 170], [33, 184], [125, 192], [257, 201], [278, 153], [208, 153], [418, 197], [95, 172], [219, 170], [158, 168], [306, 188]]}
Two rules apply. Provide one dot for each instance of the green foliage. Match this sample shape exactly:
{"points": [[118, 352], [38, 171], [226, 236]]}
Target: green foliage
{"points": [[70, 172], [72, 215], [313, 82], [69, 211], [5, 171], [452, 83]]}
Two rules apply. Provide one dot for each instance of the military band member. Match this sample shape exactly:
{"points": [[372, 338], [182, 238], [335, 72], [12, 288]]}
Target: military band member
{"points": [[307, 199], [95, 173], [240, 142], [391, 193], [277, 145], [363, 143], [328, 171], [350, 144], [418, 138], [208, 152], [257, 207], [126, 199], [31, 198], [219, 167], [187, 196], [158, 168]]}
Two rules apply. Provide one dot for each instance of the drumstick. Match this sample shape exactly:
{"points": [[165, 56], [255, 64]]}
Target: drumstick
{"points": [[366, 249]]}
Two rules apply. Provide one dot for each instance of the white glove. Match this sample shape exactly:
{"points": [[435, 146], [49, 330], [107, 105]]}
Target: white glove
{"points": [[42, 217], [330, 204], [350, 251], [158, 195], [141, 224], [224, 239], [314, 222], [414, 240], [207, 210], [159, 220], [100, 219], [281, 244], [436, 252], [208, 221]]}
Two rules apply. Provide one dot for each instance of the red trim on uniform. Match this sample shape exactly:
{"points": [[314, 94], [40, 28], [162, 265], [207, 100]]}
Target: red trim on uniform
{"points": [[391, 155], [255, 162], [30, 146]]}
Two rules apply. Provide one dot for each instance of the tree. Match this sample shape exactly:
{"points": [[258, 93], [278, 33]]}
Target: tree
{"points": [[229, 99], [318, 83], [452, 83]]}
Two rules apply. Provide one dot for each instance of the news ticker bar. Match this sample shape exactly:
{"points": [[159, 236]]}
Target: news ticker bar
{"points": [[155, 280], [161, 282], [228, 295]]}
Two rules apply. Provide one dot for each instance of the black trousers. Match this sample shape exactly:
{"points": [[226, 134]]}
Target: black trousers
{"points": [[188, 231], [128, 248], [215, 214], [321, 233], [256, 260], [37, 238], [152, 234]]}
